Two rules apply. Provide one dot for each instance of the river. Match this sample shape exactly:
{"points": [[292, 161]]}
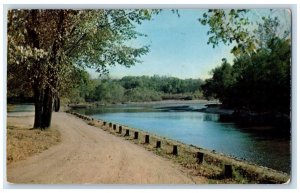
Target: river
{"points": [[262, 146]]}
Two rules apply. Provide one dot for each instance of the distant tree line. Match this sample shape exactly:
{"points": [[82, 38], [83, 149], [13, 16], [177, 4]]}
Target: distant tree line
{"points": [[134, 89]]}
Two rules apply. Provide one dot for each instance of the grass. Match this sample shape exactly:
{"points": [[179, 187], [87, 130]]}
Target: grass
{"points": [[213, 166], [24, 142]]}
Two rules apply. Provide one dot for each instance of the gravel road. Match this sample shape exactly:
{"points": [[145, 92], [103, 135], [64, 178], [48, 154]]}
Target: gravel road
{"points": [[89, 155]]}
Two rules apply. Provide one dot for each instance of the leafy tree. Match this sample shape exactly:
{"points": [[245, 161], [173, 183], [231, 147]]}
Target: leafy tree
{"points": [[221, 82], [233, 27], [259, 78], [229, 26], [142, 94], [260, 85], [130, 82], [46, 46], [78, 88], [109, 91]]}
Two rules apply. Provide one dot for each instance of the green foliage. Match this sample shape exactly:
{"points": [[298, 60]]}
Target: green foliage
{"points": [[163, 84], [141, 94], [259, 82], [108, 91], [229, 26], [48, 48], [259, 78], [220, 84], [138, 89], [40, 41], [233, 27], [79, 88]]}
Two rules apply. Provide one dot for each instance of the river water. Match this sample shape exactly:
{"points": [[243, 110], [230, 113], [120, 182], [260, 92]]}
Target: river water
{"points": [[262, 146]]}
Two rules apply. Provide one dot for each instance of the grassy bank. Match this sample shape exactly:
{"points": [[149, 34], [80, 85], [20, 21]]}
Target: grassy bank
{"points": [[213, 165], [23, 142]]}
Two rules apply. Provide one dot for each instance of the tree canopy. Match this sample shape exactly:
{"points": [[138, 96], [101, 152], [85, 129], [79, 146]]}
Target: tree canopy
{"points": [[259, 78], [235, 27], [46, 48]]}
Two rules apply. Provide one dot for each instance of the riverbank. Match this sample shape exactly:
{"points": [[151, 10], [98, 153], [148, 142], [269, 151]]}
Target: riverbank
{"points": [[214, 163]]}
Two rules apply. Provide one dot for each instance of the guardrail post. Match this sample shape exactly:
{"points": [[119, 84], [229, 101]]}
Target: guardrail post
{"points": [[136, 135], [127, 132], [200, 157], [115, 126], [175, 150], [120, 129], [158, 144], [228, 171], [147, 139]]}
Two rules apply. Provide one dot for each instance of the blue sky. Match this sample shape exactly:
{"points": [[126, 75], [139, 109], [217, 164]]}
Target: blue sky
{"points": [[178, 48]]}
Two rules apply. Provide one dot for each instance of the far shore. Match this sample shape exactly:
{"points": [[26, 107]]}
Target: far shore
{"points": [[202, 101], [161, 102]]}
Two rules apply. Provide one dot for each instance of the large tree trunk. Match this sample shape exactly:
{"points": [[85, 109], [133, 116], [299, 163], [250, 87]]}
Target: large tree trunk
{"points": [[47, 108], [38, 104], [44, 106], [38, 91], [43, 102]]}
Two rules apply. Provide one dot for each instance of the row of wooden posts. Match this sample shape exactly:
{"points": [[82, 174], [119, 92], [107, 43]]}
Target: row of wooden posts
{"points": [[228, 171], [199, 155], [147, 138]]}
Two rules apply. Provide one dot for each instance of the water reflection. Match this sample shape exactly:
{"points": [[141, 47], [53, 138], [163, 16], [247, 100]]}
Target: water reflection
{"points": [[210, 117]]}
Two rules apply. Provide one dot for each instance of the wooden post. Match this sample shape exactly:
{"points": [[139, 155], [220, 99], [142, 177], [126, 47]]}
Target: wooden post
{"points": [[175, 150], [115, 126], [200, 157], [104, 123], [120, 129], [147, 139], [127, 132], [228, 171], [110, 124], [158, 144], [136, 135]]}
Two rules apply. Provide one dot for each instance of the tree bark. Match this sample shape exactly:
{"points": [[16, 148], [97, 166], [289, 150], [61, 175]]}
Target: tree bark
{"points": [[37, 88], [38, 105], [47, 108]]}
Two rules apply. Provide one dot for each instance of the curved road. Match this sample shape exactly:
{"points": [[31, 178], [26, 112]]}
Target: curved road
{"points": [[90, 155]]}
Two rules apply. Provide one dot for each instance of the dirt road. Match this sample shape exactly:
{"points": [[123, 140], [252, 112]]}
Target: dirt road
{"points": [[90, 155]]}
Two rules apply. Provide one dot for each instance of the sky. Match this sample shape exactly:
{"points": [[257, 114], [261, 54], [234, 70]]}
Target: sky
{"points": [[178, 47]]}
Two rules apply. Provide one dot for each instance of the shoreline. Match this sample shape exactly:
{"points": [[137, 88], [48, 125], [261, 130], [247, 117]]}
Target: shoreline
{"points": [[93, 104], [243, 171]]}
